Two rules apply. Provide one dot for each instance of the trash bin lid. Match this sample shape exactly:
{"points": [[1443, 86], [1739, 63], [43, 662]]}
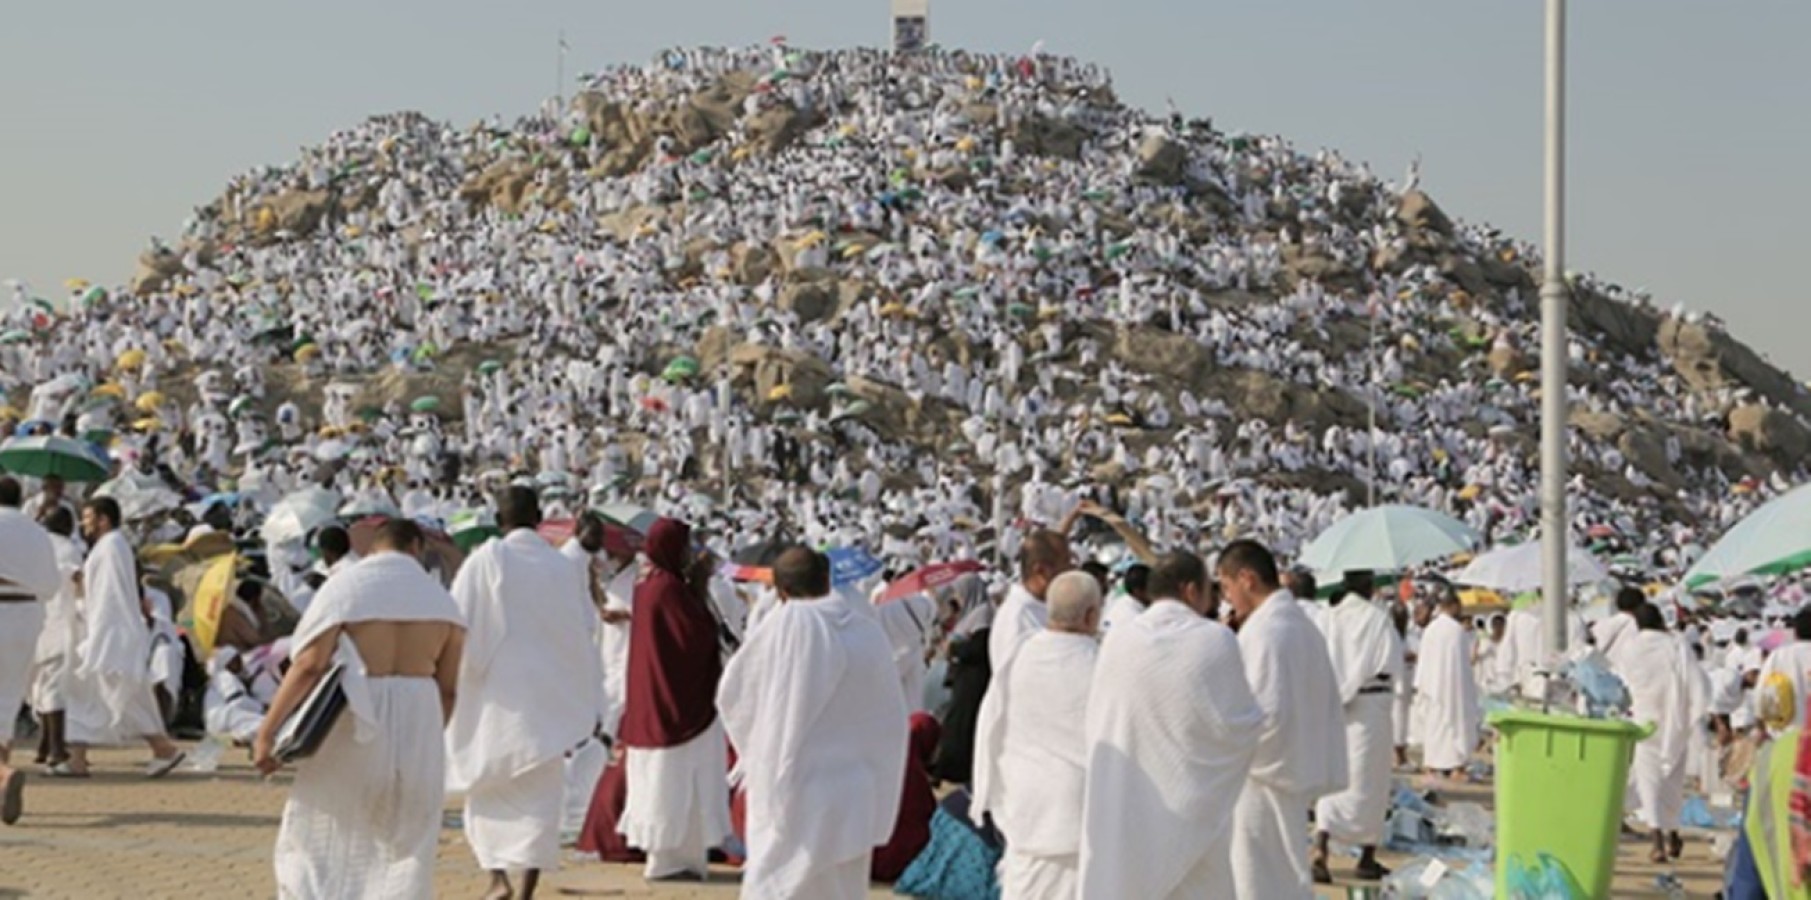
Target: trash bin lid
{"points": [[1512, 719]]}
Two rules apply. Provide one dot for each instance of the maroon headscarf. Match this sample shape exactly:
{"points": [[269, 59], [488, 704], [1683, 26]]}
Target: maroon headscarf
{"points": [[671, 694], [912, 830]]}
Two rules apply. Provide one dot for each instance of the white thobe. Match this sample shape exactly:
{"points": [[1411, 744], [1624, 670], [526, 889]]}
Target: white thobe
{"points": [[111, 699], [1607, 633], [812, 704], [1665, 689], [1166, 753], [363, 817], [1021, 615], [530, 688], [56, 643], [1122, 608], [910, 624], [1031, 763], [1301, 753], [28, 572], [1366, 653], [1446, 695]]}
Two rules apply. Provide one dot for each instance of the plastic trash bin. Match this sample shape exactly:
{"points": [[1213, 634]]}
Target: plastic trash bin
{"points": [[1559, 793]]}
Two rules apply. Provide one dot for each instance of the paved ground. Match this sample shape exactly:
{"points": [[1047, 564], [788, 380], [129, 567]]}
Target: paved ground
{"points": [[209, 836]]}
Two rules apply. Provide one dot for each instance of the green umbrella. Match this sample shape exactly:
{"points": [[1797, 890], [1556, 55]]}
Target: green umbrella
{"points": [[370, 413], [838, 389], [52, 455], [425, 404], [94, 295], [15, 336], [786, 417], [581, 137], [1773, 540], [98, 435], [1387, 539], [1019, 310], [489, 366], [42, 304], [680, 367]]}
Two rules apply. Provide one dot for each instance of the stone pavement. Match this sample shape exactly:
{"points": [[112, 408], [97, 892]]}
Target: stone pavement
{"points": [[209, 835]]}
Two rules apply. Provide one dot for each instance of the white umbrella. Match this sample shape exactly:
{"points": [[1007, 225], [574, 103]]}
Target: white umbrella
{"points": [[1387, 539], [299, 513], [331, 449], [1773, 540], [139, 496], [1518, 569]]}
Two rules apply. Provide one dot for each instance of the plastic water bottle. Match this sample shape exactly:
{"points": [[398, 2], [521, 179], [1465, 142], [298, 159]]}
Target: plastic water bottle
{"points": [[206, 755]]}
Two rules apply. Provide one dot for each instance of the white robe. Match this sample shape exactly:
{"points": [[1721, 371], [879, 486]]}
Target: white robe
{"points": [[812, 704], [1122, 608], [1301, 753], [28, 565], [530, 689], [1031, 762], [111, 699], [1446, 695], [1366, 653], [910, 624], [1664, 689], [56, 643], [1172, 726], [1020, 616], [363, 817]]}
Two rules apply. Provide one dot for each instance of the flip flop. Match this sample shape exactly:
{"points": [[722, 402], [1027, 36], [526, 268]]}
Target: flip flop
{"points": [[62, 770], [161, 767], [12, 806]]}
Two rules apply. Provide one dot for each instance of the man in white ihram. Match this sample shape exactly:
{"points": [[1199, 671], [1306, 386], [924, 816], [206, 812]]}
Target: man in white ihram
{"points": [[1447, 692], [1301, 754], [813, 707], [1171, 729], [28, 581], [531, 688], [1043, 556], [1031, 752], [1366, 653]]}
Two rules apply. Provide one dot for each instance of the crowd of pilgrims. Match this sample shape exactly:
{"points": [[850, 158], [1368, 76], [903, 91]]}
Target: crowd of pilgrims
{"points": [[997, 300]]}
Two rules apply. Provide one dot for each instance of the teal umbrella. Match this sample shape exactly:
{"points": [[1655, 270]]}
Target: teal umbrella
{"points": [[1387, 539], [489, 366], [681, 367], [16, 336], [52, 455], [1773, 540], [425, 404]]}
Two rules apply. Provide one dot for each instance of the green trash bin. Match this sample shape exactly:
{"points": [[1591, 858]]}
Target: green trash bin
{"points": [[1559, 794]]}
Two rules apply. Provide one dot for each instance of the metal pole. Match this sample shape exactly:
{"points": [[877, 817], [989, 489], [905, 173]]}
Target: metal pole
{"points": [[1553, 342]]}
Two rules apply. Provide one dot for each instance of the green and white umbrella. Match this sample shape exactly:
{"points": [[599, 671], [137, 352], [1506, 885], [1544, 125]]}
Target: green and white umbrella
{"points": [[1514, 570], [1387, 539], [52, 455], [425, 404], [1773, 540]]}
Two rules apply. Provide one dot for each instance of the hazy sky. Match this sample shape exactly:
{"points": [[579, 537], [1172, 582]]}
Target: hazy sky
{"points": [[1690, 119]]}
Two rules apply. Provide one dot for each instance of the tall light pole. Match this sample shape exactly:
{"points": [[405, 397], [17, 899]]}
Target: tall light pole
{"points": [[1553, 341]]}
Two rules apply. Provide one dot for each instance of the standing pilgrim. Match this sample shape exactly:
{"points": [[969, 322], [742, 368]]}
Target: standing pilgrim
{"points": [[1171, 729], [363, 817], [532, 689], [1367, 660], [111, 693], [1666, 688], [1446, 692], [28, 582], [56, 644], [813, 706], [1043, 556], [678, 804], [1301, 753], [1032, 759]]}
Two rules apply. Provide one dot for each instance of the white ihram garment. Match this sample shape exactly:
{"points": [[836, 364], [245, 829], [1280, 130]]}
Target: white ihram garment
{"points": [[1366, 654], [55, 649], [1446, 695], [363, 817], [678, 804], [812, 704], [1664, 689], [1020, 616], [1171, 729], [1301, 753], [530, 688], [111, 699], [28, 567]]}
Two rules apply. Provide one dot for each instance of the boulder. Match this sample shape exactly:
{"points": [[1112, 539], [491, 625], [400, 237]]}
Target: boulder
{"points": [[809, 300], [1709, 358], [1626, 328], [1176, 358], [1041, 135], [763, 368], [155, 271], [1647, 451], [1161, 160], [775, 128], [1507, 362], [1689, 348], [713, 347], [504, 184], [1418, 211], [752, 264], [1760, 429], [1600, 426]]}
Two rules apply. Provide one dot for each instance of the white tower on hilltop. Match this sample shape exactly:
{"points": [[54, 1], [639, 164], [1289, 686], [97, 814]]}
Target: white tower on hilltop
{"points": [[911, 25]]}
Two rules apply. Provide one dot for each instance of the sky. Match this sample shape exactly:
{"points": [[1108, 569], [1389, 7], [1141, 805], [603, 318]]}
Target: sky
{"points": [[1689, 126]]}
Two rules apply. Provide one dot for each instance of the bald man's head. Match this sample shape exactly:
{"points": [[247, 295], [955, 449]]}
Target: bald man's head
{"points": [[1074, 603]]}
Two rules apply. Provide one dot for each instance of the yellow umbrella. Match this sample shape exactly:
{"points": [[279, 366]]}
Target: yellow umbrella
{"points": [[110, 390], [1471, 491], [148, 423], [741, 153], [966, 144], [8, 412], [893, 309], [330, 431], [210, 599], [353, 231], [307, 352], [853, 250], [1525, 377], [131, 359], [149, 401], [812, 239], [76, 284], [780, 392]]}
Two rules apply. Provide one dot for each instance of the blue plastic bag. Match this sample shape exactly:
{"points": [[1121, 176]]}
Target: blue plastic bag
{"points": [[956, 865]]}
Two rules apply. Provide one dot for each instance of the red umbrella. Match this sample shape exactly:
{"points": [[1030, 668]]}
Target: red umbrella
{"points": [[929, 578], [558, 531]]}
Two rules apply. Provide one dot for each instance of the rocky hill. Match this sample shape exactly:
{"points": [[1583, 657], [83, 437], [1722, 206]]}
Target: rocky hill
{"points": [[791, 220]]}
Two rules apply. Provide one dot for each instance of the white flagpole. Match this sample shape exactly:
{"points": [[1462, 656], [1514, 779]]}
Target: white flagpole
{"points": [[1553, 341]]}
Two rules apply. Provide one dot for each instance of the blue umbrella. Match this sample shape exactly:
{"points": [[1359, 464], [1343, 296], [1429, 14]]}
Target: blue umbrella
{"points": [[26, 428], [849, 565], [992, 236]]}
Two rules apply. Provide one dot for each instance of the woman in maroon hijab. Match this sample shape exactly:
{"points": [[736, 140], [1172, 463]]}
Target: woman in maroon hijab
{"points": [[677, 804]]}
